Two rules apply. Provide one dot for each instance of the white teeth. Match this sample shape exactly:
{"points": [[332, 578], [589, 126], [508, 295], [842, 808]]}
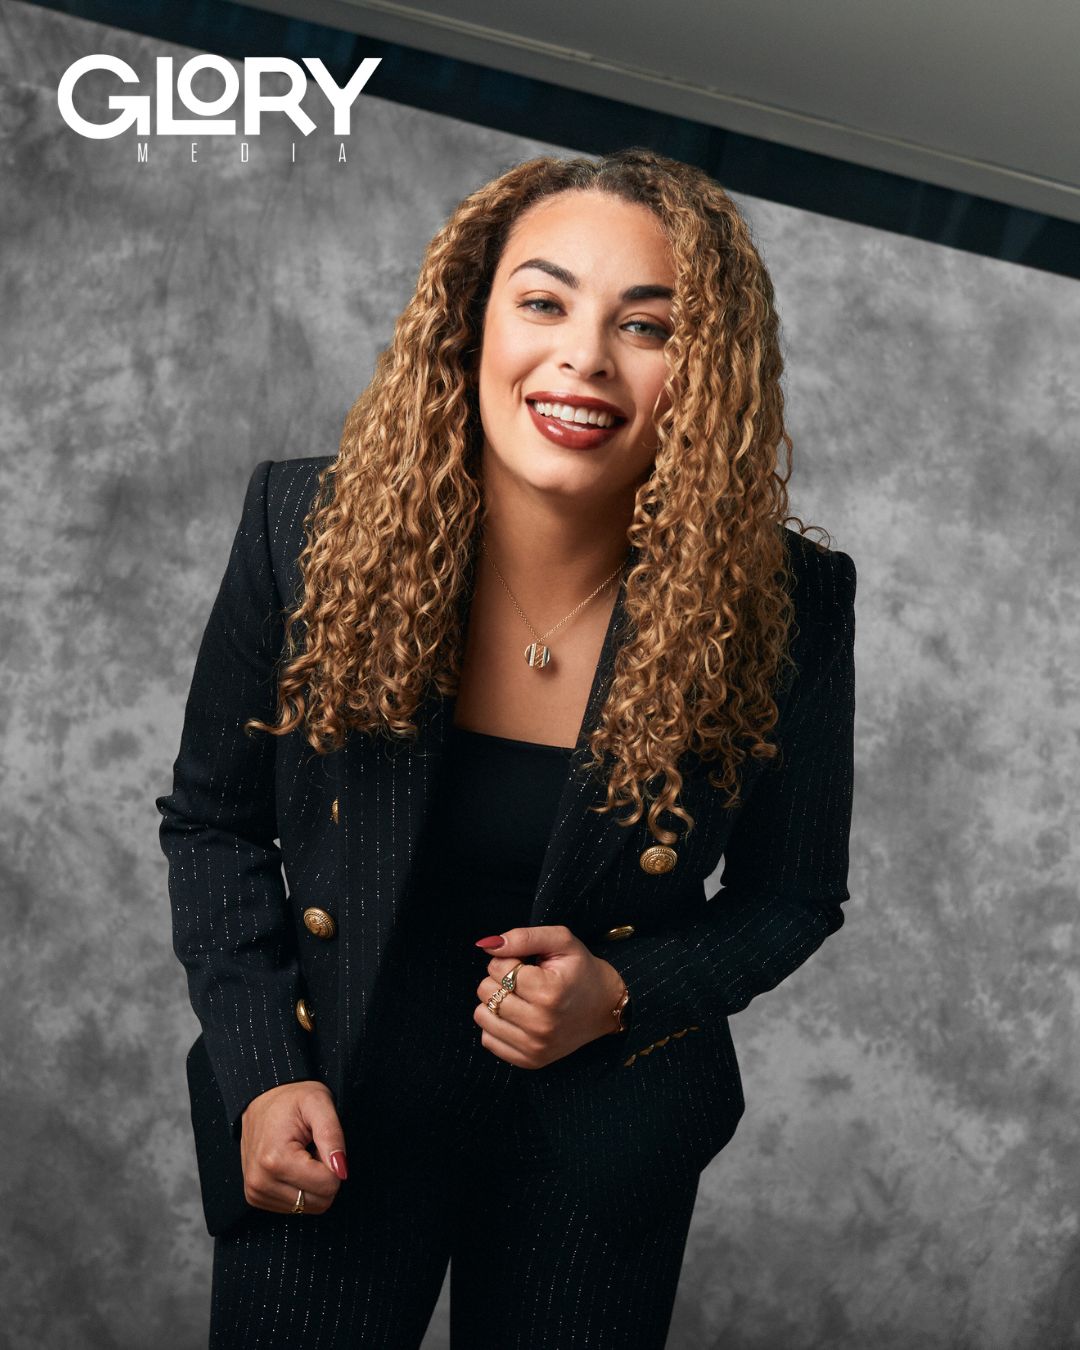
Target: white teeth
{"points": [[567, 412]]}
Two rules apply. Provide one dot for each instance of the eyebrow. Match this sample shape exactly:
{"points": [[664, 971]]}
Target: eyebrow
{"points": [[568, 279]]}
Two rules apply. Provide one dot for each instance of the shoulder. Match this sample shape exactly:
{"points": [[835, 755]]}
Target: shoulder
{"points": [[823, 579], [824, 575], [290, 486], [291, 481], [823, 593]]}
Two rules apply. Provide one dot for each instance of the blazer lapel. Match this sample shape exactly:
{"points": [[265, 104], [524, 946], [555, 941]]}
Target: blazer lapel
{"points": [[582, 843]]}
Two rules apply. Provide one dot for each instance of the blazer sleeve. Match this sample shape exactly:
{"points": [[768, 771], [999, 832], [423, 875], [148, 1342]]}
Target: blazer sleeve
{"points": [[786, 864], [230, 923]]}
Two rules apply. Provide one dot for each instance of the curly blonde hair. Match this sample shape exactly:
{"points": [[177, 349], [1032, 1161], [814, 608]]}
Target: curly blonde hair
{"points": [[389, 537]]}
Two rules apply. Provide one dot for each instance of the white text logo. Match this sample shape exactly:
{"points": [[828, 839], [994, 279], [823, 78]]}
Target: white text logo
{"points": [[134, 109]]}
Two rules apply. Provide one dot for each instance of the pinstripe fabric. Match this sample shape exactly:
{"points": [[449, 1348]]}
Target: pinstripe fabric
{"points": [[219, 829], [624, 1120], [786, 862], [533, 1266]]}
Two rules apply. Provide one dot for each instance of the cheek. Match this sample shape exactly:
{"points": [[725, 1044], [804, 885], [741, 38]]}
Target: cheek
{"points": [[500, 371]]}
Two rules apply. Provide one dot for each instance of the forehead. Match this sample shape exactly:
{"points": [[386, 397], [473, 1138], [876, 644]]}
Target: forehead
{"points": [[592, 231]]}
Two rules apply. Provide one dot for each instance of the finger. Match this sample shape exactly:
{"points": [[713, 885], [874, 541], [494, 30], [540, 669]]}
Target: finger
{"points": [[505, 1028], [289, 1165], [281, 1199], [312, 1175], [539, 940], [504, 1050], [534, 1014], [529, 980], [271, 1183], [321, 1117], [511, 1009]]}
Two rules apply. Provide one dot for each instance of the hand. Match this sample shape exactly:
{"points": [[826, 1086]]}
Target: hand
{"points": [[559, 1004], [276, 1128]]}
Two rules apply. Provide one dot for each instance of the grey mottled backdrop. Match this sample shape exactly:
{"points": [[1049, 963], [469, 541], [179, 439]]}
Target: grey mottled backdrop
{"points": [[907, 1173]]}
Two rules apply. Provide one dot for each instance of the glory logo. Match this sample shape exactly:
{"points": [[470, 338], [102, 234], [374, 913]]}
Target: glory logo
{"points": [[134, 109]]}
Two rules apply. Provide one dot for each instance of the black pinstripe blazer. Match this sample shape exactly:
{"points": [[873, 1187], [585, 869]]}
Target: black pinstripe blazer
{"points": [[624, 1112]]}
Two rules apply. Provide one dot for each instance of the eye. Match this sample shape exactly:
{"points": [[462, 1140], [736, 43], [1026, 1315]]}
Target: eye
{"points": [[654, 329], [644, 326], [538, 300]]}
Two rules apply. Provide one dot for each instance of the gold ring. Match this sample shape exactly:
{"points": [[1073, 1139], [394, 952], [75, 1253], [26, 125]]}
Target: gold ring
{"points": [[298, 1208], [506, 986], [508, 979]]}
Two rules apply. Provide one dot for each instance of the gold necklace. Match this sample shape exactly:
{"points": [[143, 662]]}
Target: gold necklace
{"points": [[537, 654]]}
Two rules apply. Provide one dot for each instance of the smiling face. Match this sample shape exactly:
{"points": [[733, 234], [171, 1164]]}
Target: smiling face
{"points": [[578, 315]]}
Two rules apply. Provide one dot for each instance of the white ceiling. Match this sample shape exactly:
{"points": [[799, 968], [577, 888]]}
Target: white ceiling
{"points": [[982, 96]]}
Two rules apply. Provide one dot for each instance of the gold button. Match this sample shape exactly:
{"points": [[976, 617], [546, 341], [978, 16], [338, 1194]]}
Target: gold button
{"points": [[320, 923], [659, 858], [334, 811], [305, 1015], [623, 930]]}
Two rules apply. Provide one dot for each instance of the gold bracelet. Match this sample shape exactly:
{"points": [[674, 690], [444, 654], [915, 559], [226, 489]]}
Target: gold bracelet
{"points": [[617, 1011]]}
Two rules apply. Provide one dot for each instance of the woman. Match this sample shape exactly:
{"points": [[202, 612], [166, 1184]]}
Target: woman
{"points": [[546, 577]]}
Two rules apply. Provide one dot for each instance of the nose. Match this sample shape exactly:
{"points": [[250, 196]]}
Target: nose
{"points": [[586, 349]]}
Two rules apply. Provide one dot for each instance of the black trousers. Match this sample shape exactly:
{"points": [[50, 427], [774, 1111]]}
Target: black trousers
{"points": [[531, 1268], [447, 1164]]}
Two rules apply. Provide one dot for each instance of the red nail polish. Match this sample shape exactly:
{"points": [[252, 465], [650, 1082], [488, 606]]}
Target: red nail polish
{"points": [[490, 942], [337, 1165]]}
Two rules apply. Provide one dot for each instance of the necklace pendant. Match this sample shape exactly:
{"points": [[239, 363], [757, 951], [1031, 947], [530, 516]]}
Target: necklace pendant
{"points": [[537, 655]]}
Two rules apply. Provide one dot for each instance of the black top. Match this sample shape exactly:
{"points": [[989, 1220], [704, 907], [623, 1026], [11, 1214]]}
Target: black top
{"points": [[488, 830]]}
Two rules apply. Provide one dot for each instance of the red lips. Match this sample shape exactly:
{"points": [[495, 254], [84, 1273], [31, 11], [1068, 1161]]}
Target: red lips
{"points": [[580, 436]]}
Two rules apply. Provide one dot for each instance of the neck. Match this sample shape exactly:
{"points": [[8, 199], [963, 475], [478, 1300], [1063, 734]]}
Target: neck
{"points": [[551, 557]]}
